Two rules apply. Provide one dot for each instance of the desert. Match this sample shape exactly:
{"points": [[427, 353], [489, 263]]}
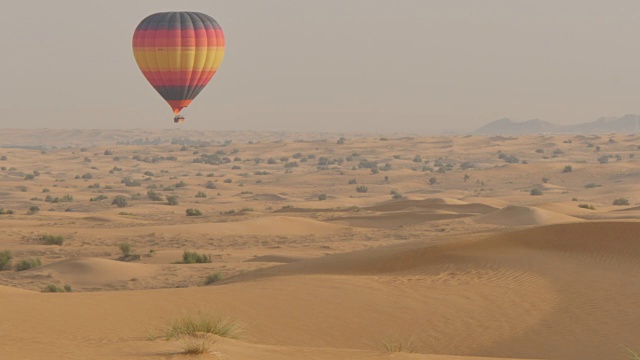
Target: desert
{"points": [[319, 246]]}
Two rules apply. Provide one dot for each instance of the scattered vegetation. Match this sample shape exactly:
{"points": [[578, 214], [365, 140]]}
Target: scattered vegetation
{"points": [[172, 200], [567, 169], [362, 189], [322, 197]]}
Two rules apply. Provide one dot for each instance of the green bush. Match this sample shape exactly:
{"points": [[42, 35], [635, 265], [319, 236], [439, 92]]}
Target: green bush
{"points": [[362, 189], [194, 212], [202, 323], [567, 169], [33, 209], [621, 202], [201, 195], [535, 192], [120, 201], [5, 259], [125, 248], [195, 258], [172, 200], [53, 239], [322, 197], [587, 206], [213, 278], [53, 288], [28, 264]]}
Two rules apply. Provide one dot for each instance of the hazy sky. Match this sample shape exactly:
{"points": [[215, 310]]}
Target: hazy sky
{"points": [[330, 65]]}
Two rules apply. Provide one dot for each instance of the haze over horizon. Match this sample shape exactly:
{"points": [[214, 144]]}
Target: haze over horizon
{"points": [[353, 65]]}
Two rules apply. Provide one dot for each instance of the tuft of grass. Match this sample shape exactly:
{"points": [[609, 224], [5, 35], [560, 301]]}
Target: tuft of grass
{"points": [[53, 239], [201, 322], [53, 288], [5, 259], [212, 278], [398, 345], [28, 264], [194, 258], [587, 206], [633, 355], [196, 345], [125, 248]]}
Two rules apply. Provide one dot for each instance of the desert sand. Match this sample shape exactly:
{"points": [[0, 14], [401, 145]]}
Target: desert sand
{"points": [[459, 248]]}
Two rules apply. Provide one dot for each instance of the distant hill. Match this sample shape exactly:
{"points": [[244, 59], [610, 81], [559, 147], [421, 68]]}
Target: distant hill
{"points": [[625, 124]]}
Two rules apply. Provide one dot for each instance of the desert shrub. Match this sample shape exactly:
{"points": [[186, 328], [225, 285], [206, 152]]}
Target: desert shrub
{"points": [[433, 181], [194, 258], [603, 159], [28, 264], [99, 198], [94, 186], [540, 151], [510, 159], [362, 189], [417, 159], [194, 212], [125, 248], [322, 197], [5, 259], [536, 192], [341, 141], [172, 200], [201, 195], [228, 181], [236, 167], [587, 206], [466, 165], [202, 323], [545, 180], [621, 202], [87, 176], [120, 201], [592, 185], [53, 239], [66, 198], [53, 288], [567, 169], [154, 196], [33, 209], [353, 182], [129, 182], [6, 212], [210, 185], [108, 152], [181, 184], [149, 173], [212, 278]]}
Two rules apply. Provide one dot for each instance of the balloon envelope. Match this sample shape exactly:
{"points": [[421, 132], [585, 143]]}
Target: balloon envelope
{"points": [[179, 53]]}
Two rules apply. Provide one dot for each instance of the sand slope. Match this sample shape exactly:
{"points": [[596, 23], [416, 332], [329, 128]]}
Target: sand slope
{"points": [[525, 216]]}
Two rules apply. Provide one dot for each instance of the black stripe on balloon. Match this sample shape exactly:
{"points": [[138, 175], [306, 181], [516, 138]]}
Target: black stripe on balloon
{"points": [[178, 92], [178, 20]]}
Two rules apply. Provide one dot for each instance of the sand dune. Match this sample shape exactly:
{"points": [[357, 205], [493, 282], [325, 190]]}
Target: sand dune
{"points": [[394, 220], [282, 259], [91, 272], [525, 216], [443, 204]]}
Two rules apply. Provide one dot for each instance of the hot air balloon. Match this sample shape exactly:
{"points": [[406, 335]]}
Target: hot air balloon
{"points": [[178, 53]]}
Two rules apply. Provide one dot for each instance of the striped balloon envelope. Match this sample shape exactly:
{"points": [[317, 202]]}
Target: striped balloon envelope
{"points": [[179, 53]]}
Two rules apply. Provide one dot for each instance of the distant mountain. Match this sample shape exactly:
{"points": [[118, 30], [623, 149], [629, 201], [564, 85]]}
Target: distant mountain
{"points": [[626, 124]]}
